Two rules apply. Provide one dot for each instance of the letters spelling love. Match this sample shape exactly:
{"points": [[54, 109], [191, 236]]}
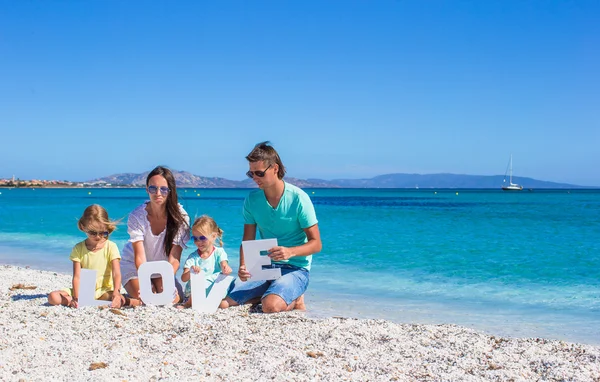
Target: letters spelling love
{"points": [[201, 302]]}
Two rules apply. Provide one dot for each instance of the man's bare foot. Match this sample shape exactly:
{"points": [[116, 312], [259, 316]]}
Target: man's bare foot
{"points": [[300, 304]]}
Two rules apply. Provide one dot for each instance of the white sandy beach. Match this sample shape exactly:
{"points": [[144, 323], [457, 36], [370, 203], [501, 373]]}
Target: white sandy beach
{"points": [[41, 342]]}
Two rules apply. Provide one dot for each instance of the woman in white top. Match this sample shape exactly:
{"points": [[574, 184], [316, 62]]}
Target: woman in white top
{"points": [[158, 230]]}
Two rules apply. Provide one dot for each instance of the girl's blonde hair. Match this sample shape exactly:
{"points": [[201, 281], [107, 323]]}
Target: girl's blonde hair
{"points": [[96, 214], [207, 225]]}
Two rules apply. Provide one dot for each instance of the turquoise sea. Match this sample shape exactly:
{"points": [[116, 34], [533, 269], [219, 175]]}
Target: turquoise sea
{"points": [[523, 264]]}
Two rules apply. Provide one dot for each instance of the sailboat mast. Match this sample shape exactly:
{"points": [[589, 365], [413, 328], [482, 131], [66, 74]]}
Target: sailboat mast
{"points": [[510, 169]]}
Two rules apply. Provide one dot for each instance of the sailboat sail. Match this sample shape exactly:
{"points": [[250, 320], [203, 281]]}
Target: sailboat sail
{"points": [[511, 186]]}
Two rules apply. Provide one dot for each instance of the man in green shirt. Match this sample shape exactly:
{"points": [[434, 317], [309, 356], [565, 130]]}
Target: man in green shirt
{"points": [[281, 211]]}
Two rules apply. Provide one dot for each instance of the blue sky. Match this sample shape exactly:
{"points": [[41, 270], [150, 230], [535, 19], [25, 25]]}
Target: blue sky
{"points": [[343, 89]]}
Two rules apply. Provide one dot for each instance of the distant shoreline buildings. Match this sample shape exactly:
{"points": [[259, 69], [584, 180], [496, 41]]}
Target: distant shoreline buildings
{"points": [[18, 183]]}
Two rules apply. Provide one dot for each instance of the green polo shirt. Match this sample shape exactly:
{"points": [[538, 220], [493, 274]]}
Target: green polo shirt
{"points": [[286, 223]]}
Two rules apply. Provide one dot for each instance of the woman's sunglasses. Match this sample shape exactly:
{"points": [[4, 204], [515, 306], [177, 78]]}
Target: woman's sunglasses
{"points": [[94, 233], [199, 238], [260, 174], [154, 190]]}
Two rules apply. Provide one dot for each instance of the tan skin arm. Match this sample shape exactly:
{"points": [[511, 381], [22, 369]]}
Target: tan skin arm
{"points": [[139, 254], [76, 278], [249, 234], [116, 272], [225, 268], [312, 246], [278, 253], [185, 276], [175, 257]]}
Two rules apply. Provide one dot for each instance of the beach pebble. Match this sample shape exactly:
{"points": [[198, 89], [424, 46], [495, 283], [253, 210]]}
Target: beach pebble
{"points": [[40, 342]]}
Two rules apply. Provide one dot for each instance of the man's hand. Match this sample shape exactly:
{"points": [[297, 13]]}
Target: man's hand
{"points": [[243, 274], [280, 253]]}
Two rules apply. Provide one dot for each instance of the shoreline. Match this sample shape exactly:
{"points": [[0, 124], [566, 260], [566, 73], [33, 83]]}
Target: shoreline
{"points": [[41, 342]]}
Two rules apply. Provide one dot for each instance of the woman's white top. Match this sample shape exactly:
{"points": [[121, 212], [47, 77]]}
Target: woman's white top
{"points": [[138, 227]]}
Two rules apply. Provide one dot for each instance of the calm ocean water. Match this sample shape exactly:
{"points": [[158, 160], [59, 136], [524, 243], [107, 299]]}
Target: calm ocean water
{"points": [[521, 264]]}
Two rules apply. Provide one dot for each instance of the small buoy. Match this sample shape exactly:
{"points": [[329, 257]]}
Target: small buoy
{"points": [[435, 193], [313, 192], [198, 195], [184, 190], [194, 190], [89, 192], [457, 193]]}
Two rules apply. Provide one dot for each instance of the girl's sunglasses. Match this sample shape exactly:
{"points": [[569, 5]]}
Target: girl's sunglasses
{"points": [[154, 190], [94, 233], [260, 174], [199, 238]]}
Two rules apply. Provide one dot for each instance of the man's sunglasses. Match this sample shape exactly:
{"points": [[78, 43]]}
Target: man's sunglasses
{"points": [[260, 174], [94, 233], [199, 238], [154, 190]]}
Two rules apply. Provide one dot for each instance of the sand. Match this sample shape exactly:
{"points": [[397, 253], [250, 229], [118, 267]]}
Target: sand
{"points": [[41, 342]]}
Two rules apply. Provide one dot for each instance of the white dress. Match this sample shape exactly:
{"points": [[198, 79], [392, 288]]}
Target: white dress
{"points": [[139, 229]]}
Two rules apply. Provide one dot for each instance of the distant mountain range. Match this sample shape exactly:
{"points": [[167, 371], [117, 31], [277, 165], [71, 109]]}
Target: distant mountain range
{"points": [[186, 179]]}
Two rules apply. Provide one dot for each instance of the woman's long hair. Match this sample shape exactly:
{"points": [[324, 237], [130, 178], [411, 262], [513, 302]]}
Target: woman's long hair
{"points": [[175, 218]]}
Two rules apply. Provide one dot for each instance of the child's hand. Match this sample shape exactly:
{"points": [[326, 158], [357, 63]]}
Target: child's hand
{"points": [[73, 303], [225, 269], [195, 269], [117, 300]]}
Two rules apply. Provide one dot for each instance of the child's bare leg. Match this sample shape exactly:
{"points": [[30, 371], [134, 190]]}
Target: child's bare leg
{"points": [[188, 303], [109, 296], [226, 303], [59, 297]]}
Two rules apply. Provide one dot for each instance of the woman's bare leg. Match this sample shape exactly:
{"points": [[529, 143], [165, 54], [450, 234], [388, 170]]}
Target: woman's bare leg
{"points": [[133, 288]]}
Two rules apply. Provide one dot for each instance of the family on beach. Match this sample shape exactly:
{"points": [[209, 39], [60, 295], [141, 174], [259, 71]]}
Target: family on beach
{"points": [[159, 230]]}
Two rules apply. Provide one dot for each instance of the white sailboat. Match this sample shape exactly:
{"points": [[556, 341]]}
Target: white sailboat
{"points": [[511, 186]]}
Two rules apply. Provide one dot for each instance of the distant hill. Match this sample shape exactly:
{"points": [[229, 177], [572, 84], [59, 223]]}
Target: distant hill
{"points": [[444, 181], [183, 179], [186, 179]]}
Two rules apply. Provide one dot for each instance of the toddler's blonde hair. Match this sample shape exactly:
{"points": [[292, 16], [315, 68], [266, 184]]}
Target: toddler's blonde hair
{"points": [[96, 214], [207, 225]]}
